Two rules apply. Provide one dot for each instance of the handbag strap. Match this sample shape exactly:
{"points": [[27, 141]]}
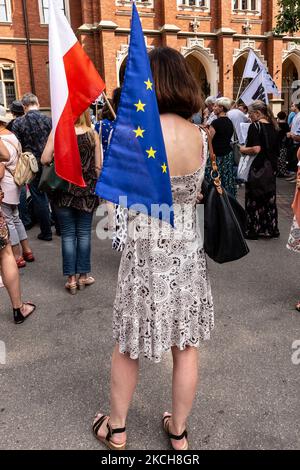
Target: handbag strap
{"points": [[215, 175]]}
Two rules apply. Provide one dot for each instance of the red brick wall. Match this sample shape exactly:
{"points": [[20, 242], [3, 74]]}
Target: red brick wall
{"points": [[102, 45]]}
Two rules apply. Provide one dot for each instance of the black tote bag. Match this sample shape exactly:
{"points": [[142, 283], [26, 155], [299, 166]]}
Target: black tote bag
{"points": [[50, 182], [224, 220]]}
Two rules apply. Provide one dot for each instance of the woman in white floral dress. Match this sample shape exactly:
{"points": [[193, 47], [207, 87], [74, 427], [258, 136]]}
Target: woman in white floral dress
{"points": [[164, 300]]}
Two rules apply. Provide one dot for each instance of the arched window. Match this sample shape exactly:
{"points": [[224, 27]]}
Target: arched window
{"points": [[5, 11], [44, 9], [7, 84]]}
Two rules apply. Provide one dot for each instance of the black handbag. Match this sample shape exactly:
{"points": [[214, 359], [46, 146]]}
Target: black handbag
{"points": [[262, 180], [224, 219], [50, 182]]}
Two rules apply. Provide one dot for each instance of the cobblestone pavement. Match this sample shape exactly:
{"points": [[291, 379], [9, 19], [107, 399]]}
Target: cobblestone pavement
{"points": [[56, 374]]}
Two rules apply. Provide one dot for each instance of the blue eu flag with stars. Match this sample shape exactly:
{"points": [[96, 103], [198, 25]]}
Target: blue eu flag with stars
{"points": [[136, 163]]}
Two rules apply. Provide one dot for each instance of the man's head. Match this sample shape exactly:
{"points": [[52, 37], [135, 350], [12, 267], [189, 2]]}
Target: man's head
{"points": [[210, 102], [30, 102], [293, 108], [242, 107], [17, 109], [297, 107]]}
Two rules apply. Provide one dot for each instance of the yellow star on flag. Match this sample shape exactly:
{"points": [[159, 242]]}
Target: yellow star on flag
{"points": [[151, 153], [149, 84], [139, 132], [140, 106], [164, 168]]}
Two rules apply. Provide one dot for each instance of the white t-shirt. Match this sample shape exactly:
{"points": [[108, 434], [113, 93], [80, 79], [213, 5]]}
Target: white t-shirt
{"points": [[237, 117], [8, 185]]}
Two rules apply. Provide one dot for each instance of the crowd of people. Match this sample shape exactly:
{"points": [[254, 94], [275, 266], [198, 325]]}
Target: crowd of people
{"points": [[169, 312]]}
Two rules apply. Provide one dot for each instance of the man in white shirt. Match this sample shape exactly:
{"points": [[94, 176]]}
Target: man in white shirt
{"points": [[295, 135], [237, 117]]}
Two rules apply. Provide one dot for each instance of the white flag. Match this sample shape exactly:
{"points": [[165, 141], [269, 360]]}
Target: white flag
{"points": [[256, 90], [253, 67]]}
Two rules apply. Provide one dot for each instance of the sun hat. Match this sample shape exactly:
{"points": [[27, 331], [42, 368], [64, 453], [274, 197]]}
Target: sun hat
{"points": [[4, 117]]}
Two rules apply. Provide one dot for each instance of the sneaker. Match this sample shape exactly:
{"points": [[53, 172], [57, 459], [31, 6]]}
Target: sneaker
{"points": [[1, 283]]}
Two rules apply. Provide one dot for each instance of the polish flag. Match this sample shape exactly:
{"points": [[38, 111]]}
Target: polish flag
{"points": [[74, 85]]}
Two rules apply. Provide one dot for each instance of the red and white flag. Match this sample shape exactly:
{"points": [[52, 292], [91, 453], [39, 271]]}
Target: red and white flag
{"points": [[74, 84]]}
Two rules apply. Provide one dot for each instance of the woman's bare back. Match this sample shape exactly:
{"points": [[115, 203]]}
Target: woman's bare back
{"points": [[184, 145]]}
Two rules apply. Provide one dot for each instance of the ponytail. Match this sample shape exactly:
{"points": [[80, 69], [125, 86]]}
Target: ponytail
{"points": [[271, 118]]}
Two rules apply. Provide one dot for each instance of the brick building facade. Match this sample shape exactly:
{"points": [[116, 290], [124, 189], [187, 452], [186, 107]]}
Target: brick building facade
{"points": [[215, 36]]}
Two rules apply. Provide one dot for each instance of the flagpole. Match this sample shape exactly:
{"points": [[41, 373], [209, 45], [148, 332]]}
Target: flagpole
{"points": [[109, 105], [240, 89]]}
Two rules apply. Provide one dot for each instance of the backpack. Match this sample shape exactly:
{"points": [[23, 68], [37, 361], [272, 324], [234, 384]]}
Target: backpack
{"points": [[26, 168]]}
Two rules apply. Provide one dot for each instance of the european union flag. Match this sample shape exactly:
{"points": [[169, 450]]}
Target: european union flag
{"points": [[136, 163]]}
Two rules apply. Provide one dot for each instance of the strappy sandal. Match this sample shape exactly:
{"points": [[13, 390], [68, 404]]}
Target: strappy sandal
{"points": [[184, 435], [82, 283], [71, 287], [19, 317], [107, 440], [297, 307]]}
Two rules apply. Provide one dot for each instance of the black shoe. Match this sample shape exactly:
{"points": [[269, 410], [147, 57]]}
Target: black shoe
{"points": [[45, 238], [266, 236], [28, 227], [18, 317], [251, 236]]}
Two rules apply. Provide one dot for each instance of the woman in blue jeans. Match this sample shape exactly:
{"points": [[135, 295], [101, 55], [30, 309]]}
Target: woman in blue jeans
{"points": [[76, 207]]}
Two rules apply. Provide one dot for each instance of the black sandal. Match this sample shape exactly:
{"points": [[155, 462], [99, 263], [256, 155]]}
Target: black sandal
{"points": [[107, 440], [184, 435], [19, 317]]}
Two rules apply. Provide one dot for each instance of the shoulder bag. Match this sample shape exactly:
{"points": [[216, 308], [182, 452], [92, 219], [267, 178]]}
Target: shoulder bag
{"points": [[224, 219], [50, 182]]}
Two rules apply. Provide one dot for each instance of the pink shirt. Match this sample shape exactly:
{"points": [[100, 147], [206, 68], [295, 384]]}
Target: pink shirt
{"points": [[8, 185]]}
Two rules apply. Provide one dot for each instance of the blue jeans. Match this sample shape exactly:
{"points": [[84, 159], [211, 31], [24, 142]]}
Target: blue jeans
{"points": [[41, 206], [76, 228]]}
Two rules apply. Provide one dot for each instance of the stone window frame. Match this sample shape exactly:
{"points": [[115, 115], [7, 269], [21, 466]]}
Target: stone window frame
{"points": [[139, 3], [42, 7], [7, 66], [238, 9], [7, 4], [199, 5]]}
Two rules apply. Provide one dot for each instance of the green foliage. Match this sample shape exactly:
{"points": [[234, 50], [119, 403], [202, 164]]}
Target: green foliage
{"points": [[288, 20]]}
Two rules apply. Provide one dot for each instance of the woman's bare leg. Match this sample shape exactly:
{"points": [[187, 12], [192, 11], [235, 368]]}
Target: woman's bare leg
{"points": [[11, 279], [16, 251], [185, 379], [124, 376]]}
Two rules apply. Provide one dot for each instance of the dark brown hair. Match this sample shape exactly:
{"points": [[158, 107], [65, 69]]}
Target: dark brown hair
{"points": [[106, 112], [176, 88]]}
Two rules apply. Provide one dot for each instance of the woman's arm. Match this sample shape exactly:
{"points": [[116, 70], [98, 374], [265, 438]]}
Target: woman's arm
{"points": [[250, 150], [48, 153], [4, 153], [98, 154], [212, 131], [2, 170]]}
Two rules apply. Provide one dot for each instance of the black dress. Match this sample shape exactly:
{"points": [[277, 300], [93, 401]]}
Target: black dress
{"points": [[284, 145], [262, 213]]}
